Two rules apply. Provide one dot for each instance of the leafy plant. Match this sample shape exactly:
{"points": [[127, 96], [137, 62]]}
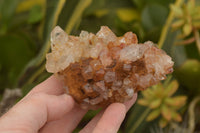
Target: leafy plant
{"points": [[159, 99], [188, 19]]}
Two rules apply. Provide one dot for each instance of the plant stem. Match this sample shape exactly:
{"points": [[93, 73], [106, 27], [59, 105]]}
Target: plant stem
{"points": [[41, 56], [140, 120], [167, 25], [167, 81], [196, 35], [191, 124], [36, 62], [186, 42], [34, 76], [82, 5]]}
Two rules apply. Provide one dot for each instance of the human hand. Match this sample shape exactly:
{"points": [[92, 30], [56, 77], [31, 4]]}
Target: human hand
{"points": [[46, 109]]}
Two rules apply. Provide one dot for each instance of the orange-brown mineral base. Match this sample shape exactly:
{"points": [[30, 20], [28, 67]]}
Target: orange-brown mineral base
{"points": [[100, 69]]}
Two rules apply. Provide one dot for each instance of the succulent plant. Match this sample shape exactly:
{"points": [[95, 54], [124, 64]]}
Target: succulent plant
{"points": [[188, 17], [161, 101]]}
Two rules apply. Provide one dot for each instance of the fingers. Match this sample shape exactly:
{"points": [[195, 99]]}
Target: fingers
{"points": [[130, 103], [92, 124], [33, 112], [50, 86], [67, 124], [111, 119]]}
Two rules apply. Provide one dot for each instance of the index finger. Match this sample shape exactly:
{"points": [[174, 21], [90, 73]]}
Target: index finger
{"points": [[104, 116], [50, 86]]}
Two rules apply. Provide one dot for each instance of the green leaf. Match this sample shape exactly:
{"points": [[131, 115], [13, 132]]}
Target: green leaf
{"points": [[128, 14], [7, 10], [167, 81], [115, 4], [179, 55], [177, 117], [163, 123], [96, 5], [153, 16], [177, 101], [189, 76], [196, 16], [136, 122], [166, 112], [177, 24], [15, 52], [155, 103], [66, 13], [142, 3], [26, 5], [143, 102], [171, 88], [35, 15], [148, 93], [196, 24], [153, 115], [80, 7], [158, 91], [139, 3], [187, 29], [192, 51], [191, 6], [169, 101], [100, 13], [53, 10], [178, 12]]}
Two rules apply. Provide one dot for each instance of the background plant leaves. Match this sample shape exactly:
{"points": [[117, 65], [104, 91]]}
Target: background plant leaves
{"points": [[189, 76], [12, 62], [7, 10]]}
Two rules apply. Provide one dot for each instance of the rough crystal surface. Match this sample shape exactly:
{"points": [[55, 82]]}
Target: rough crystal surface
{"points": [[101, 69]]}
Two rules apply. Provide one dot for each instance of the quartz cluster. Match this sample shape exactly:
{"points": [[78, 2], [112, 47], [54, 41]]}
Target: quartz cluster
{"points": [[100, 69]]}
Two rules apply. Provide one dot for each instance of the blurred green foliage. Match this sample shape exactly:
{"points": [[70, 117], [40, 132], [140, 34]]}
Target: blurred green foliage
{"points": [[25, 27], [160, 100]]}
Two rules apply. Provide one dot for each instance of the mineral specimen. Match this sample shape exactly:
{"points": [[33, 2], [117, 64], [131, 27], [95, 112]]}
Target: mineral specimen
{"points": [[101, 69]]}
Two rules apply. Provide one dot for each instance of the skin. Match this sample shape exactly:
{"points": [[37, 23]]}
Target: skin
{"points": [[46, 109]]}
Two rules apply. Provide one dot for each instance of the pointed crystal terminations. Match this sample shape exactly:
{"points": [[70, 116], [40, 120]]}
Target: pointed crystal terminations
{"points": [[100, 69]]}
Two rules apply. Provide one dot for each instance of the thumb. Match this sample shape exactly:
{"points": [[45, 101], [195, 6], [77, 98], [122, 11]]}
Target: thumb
{"points": [[32, 112]]}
